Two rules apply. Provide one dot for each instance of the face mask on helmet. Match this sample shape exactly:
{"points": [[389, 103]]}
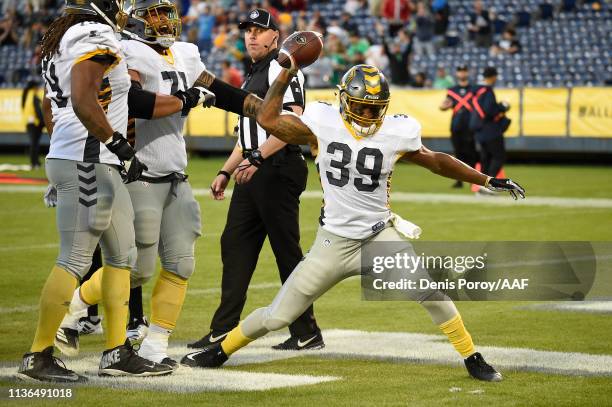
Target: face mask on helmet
{"points": [[112, 11], [154, 22], [364, 99]]}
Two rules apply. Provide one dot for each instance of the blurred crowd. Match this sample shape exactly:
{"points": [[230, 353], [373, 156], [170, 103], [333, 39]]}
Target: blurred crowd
{"points": [[397, 31]]}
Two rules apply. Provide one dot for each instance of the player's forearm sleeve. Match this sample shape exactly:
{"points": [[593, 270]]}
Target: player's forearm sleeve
{"points": [[141, 103], [229, 98]]}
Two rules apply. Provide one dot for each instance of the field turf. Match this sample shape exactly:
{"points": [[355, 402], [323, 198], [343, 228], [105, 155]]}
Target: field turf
{"points": [[28, 247]]}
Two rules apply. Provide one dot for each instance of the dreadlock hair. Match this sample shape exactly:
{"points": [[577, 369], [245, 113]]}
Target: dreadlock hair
{"points": [[50, 41]]}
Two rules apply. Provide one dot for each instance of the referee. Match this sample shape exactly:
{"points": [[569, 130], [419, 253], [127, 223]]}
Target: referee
{"points": [[270, 175], [459, 98]]}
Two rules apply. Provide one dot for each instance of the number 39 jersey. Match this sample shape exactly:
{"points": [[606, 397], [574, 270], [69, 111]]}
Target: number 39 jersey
{"points": [[159, 142], [71, 140], [356, 172]]}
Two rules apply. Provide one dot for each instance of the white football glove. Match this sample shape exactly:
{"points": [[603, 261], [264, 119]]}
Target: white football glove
{"points": [[50, 197]]}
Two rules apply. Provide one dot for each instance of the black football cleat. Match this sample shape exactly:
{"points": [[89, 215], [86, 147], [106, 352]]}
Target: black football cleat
{"points": [[170, 362], [67, 341], [124, 361], [44, 367], [213, 356], [208, 340], [312, 341], [479, 369]]}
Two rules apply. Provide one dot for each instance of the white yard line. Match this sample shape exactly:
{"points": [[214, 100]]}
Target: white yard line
{"points": [[341, 344], [416, 197], [29, 247], [260, 286]]}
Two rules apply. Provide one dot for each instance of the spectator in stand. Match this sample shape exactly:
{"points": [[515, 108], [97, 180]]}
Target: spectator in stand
{"points": [[289, 5], [337, 54], [206, 24], [220, 41], [317, 23], [351, 6], [357, 48], [231, 74], [375, 7], [347, 23], [242, 10], [441, 12], [398, 54], [196, 7], [33, 117], [8, 31], [272, 9], [397, 12], [508, 44], [443, 80], [421, 81], [376, 56], [424, 32], [480, 26], [320, 73]]}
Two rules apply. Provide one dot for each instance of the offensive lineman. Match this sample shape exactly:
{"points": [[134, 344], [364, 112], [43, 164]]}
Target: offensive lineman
{"points": [[167, 216], [357, 151]]}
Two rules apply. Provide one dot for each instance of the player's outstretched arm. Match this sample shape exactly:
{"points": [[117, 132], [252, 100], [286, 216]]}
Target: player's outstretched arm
{"points": [[148, 105], [287, 126], [228, 97], [448, 166]]}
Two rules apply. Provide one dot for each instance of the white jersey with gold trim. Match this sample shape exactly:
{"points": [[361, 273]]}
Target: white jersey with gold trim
{"points": [[159, 142], [356, 172], [71, 140]]}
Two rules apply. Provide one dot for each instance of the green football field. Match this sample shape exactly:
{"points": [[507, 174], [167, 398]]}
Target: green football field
{"points": [[570, 203]]}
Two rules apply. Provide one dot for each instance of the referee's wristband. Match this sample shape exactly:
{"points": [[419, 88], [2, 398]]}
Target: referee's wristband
{"points": [[225, 173]]}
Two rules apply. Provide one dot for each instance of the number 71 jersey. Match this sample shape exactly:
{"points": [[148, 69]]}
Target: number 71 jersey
{"points": [[356, 171]]}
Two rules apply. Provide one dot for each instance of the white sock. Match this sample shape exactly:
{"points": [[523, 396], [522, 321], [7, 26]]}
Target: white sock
{"points": [[155, 345], [76, 310]]}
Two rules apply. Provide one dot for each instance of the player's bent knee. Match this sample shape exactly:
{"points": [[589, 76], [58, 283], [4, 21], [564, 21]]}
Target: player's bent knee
{"points": [[184, 268], [78, 270], [123, 260], [100, 217]]}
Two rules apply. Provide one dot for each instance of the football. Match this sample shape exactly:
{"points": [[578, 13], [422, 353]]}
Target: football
{"points": [[300, 49]]}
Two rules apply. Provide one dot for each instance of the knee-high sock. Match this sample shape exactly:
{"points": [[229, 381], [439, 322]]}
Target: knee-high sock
{"points": [[91, 290], [54, 301], [167, 299], [458, 336], [235, 340], [115, 297]]}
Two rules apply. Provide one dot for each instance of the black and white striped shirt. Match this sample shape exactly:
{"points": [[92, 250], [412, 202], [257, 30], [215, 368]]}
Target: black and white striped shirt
{"points": [[250, 135]]}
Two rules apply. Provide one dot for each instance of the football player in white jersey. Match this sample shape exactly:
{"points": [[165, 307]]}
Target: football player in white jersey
{"points": [[358, 147], [166, 214], [87, 83]]}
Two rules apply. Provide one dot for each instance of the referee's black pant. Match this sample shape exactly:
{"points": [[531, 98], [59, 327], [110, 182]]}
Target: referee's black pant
{"points": [[492, 155], [465, 146], [268, 205]]}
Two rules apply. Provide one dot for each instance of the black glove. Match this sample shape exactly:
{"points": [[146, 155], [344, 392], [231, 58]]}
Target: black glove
{"points": [[132, 170], [506, 184], [195, 96], [120, 147], [132, 167]]}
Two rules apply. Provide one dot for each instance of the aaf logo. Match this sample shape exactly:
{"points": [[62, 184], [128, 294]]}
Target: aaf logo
{"points": [[300, 39], [254, 14]]}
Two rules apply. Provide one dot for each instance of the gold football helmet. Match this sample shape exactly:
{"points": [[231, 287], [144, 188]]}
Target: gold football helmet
{"points": [[364, 98]]}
